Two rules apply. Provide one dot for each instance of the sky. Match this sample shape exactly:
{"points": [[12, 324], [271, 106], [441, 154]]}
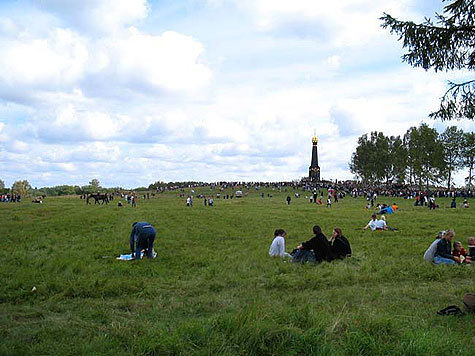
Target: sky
{"points": [[131, 92]]}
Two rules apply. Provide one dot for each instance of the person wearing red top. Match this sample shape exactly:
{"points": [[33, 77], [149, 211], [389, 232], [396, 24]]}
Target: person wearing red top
{"points": [[460, 252]]}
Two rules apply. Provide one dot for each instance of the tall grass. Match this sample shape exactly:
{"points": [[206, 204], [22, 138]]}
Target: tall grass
{"points": [[213, 290]]}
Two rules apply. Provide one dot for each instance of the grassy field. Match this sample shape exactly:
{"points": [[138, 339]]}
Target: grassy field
{"points": [[213, 290]]}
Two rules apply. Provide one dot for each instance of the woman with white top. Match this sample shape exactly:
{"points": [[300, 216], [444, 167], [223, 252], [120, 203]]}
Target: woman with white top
{"points": [[277, 247]]}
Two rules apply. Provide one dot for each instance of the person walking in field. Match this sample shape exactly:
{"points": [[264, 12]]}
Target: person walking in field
{"points": [[288, 199], [277, 247], [142, 237]]}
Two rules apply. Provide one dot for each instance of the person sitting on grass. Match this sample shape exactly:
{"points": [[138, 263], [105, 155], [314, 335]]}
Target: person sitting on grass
{"points": [[430, 252], [142, 237], [453, 204], [277, 247], [381, 223], [340, 246], [375, 224], [443, 253], [460, 252], [317, 248], [471, 248]]}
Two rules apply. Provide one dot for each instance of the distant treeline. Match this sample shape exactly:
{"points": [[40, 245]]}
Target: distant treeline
{"points": [[421, 157]]}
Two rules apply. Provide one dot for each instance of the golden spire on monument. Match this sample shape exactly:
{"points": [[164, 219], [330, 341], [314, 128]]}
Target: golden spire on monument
{"points": [[315, 139]]}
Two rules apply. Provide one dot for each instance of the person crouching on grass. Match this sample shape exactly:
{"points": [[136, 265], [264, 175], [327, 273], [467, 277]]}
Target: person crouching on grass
{"points": [[277, 247], [142, 237]]}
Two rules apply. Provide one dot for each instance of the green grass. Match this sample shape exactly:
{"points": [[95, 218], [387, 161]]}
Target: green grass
{"points": [[213, 290]]}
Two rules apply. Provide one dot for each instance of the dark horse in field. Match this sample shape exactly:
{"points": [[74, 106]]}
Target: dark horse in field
{"points": [[98, 198]]}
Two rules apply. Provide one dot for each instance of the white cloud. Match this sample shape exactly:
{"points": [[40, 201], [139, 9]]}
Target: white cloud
{"points": [[98, 15], [349, 22], [105, 94], [334, 61], [170, 61], [43, 63]]}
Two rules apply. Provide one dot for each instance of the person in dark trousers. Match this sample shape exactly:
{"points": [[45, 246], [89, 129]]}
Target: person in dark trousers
{"points": [[319, 245], [142, 237], [288, 199], [339, 244]]}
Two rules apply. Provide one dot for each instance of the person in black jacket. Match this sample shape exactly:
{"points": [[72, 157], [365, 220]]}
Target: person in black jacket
{"points": [[443, 253], [319, 245], [339, 244]]}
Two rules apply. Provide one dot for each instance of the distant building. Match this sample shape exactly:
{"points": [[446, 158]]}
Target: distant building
{"points": [[314, 169]]}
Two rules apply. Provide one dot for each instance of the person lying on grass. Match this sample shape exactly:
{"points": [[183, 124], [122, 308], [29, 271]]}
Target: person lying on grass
{"points": [[277, 247]]}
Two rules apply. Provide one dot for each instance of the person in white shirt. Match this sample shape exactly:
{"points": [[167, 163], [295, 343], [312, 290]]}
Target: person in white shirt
{"points": [[381, 224], [372, 223], [277, 247]]}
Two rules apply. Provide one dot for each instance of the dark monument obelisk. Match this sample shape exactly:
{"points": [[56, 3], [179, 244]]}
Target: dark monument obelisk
{"points": [[314, 169]]}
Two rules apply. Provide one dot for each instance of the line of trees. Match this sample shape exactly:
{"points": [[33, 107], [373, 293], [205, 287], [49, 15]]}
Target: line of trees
{"points": [[23, 188], [421, 156]]}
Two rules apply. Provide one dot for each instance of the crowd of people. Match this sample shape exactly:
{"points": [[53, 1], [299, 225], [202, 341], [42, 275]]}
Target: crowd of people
{"points": [[10, 198]]}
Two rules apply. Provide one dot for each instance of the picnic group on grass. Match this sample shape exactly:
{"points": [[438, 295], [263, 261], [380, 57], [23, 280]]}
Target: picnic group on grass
{"points": [[441, 252], [316, 249], [319, 248]]}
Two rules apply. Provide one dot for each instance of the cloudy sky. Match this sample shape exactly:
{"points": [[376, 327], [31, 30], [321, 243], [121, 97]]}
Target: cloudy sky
{"points": [[135, 91]]}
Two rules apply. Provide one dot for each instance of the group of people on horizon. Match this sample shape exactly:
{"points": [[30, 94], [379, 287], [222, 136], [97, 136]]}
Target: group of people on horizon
{"points": [[10, 198]]}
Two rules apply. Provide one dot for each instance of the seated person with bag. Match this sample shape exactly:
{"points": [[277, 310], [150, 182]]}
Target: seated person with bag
{"points": [[317, 249]]}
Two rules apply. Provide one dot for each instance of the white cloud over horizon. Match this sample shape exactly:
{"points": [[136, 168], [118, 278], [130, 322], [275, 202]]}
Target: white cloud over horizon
{"points": [[135, 91]]}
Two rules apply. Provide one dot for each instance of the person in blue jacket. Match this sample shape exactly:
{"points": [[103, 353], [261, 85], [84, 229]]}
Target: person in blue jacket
{"points": [[142, 237]]}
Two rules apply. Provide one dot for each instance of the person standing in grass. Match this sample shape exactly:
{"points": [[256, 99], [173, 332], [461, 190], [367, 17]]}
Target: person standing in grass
{"points": [[443, 253], [277, 247], [340, 246], [142, 237]]}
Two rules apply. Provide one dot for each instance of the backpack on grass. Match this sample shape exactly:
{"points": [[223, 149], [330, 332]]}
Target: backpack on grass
{"points": [[469, 302]]}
